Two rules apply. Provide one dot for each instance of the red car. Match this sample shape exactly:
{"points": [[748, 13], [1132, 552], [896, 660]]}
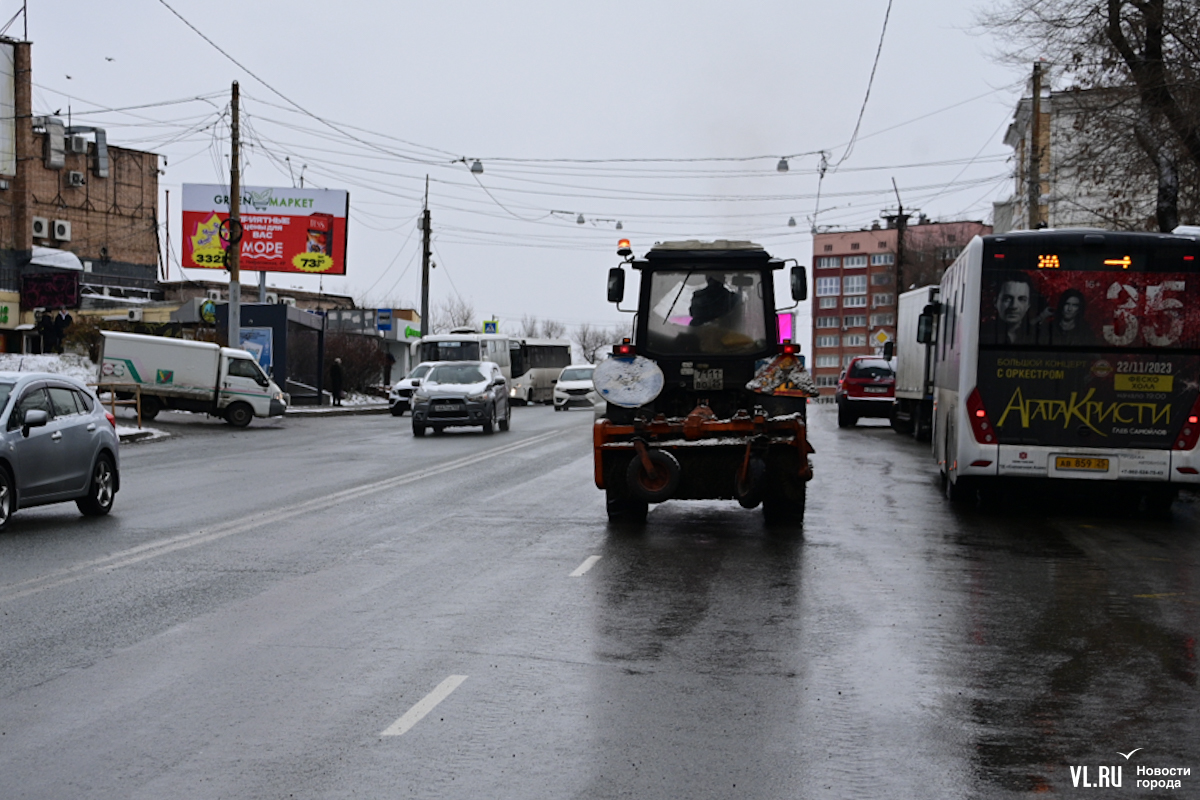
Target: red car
{"points": [[867, 388]]}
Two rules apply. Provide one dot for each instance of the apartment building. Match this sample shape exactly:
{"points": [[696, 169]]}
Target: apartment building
{"points": [[855, 285]]}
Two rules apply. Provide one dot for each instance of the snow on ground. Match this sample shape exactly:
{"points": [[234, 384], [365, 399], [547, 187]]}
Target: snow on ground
{"points": [[70, 364], [134, 433]]}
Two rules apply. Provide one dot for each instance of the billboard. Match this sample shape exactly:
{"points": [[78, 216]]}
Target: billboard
{"points": [[283, 230]]}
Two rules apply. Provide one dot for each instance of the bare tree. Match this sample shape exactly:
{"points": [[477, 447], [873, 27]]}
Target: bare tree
{"points": [[1136, 65], [591, 340], [453, 312], [552, 329], [529, 326]]}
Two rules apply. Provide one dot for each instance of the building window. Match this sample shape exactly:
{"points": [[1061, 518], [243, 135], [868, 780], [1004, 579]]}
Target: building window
{"points": [[827, 361], [855, 284], [827, 322], [827, 380], [882, 259], [847, 359], [883, 245], [855, 340], [854, 302], [949, 253], [878, 300], [828, 286], [854, 261], [827, 261], [828, 248], [881, 279], [827, 341], [882, 319], [854, 246], [827, 302], [855, 321]]}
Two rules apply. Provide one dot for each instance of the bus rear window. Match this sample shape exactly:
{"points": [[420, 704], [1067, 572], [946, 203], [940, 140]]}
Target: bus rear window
{"points": [[450, 351], [1089, 298]]}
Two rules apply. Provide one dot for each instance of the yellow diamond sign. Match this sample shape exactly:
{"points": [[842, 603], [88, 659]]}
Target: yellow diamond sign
{"points": [[882, 337]]}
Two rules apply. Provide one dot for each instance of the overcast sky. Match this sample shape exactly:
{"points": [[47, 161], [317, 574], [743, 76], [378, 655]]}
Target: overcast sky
{"points": [[588, 109]]}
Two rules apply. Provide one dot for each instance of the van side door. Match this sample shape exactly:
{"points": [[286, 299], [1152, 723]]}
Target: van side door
{"points": [[243, 381]]}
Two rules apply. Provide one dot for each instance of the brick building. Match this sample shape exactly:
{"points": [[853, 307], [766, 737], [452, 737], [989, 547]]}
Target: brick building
{"points": [[78, 216], [854, 281]]}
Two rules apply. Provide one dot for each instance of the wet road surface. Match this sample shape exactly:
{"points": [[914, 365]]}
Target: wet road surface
{"points": [[330, 608]]}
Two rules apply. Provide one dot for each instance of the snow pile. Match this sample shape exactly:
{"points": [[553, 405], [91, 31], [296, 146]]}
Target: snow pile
{"points": [[133, 433], [69, 364]]}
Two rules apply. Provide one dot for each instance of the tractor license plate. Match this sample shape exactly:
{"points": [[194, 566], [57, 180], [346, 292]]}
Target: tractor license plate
{"points": [[1085, 464], [709, 379]]}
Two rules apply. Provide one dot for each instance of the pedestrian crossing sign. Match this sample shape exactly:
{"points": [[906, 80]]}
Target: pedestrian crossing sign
{"points": [[491, 326]]}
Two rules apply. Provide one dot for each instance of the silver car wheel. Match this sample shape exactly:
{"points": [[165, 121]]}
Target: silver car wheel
{"points": [[6, 498], [103, 483]]}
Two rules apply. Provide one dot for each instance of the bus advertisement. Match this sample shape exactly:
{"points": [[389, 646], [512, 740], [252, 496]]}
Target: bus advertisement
{"points": [[1070, 354]]}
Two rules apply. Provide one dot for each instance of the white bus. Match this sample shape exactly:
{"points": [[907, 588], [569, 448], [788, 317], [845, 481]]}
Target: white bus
{"points": [[1071, 354], [529, 365], [467, 346], [541, 360]]}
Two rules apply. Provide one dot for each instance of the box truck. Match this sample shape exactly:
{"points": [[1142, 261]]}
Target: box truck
{"points": [[188, 376], [912, 412]]}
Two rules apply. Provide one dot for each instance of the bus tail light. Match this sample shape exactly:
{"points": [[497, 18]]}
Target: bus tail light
{"points": [[1191, 429], [981, 426]]}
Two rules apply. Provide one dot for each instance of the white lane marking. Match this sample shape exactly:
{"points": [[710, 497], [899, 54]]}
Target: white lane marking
{"points": [[161, 547], [587, 564], [424, 706]]}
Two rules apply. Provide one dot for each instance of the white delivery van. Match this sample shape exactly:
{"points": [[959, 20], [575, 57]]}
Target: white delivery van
{"points": [[188, 376]]}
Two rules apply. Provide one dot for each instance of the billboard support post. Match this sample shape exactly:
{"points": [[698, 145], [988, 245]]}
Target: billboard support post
{"points": [[235, 229]]}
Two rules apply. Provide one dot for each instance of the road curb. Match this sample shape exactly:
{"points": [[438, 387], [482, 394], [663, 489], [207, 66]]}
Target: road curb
{"points": [[135, 436], [337, 411]]}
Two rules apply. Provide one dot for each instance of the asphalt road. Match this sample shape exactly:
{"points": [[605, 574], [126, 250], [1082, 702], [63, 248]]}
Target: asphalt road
{"points": [[330, 608]]}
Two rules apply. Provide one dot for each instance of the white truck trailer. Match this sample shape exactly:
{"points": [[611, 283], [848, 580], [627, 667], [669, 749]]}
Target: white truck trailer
{"points": [[188, 376], [913, 409]]}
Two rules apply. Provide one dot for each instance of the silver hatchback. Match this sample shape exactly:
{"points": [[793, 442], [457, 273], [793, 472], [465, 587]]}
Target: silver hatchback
{"points": [[58, 444]]}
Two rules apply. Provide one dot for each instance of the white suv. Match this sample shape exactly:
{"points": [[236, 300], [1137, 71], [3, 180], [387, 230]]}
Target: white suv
{"points": [[574, 388]]}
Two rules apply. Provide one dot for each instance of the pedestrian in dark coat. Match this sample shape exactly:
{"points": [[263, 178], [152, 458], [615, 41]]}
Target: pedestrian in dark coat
{"points": [[46, 334], [62, 321], [335, 381]]}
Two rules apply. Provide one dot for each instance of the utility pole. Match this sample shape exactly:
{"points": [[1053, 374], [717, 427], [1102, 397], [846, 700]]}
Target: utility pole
{"points": [[901, 227], [425, 245], [234, 251], [1035, 146]]}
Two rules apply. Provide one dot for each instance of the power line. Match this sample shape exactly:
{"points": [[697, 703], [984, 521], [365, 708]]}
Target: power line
{"points": [[870, 83]]}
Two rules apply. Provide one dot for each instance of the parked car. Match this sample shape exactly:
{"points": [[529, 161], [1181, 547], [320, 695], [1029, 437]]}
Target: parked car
{"points": [[574, 388], [866, 388], [461, 393], [400, 395], [58, 444]]}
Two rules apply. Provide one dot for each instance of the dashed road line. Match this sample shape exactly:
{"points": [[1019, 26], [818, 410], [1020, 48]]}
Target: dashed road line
{"points": [[424, 706], [587, 564]]}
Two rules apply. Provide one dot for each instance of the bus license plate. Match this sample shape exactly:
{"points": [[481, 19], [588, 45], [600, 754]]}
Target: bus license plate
{"points": [[1085, 464], [710, 379]]}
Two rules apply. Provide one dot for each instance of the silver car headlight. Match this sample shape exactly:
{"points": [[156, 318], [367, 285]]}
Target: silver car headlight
{"points": [[478, 398]]}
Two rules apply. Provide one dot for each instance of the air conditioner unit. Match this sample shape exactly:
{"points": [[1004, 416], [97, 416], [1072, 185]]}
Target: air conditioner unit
{"points": [[62, 230], [134, 315], [272, 298], [213, 294], [41, 228], [288, 301], [78, 144], [75, 179]]}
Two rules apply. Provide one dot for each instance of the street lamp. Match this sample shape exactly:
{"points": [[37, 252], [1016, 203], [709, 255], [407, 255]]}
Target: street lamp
{"points": [[782, 166], [476, 168]]}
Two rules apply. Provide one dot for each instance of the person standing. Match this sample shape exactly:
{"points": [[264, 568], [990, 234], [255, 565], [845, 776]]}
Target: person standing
{"points": [[62, 321], [335, 381], [45, 331]]}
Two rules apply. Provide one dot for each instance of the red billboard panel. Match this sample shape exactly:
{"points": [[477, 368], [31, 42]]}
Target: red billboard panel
{"points": [[283, 230]]}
